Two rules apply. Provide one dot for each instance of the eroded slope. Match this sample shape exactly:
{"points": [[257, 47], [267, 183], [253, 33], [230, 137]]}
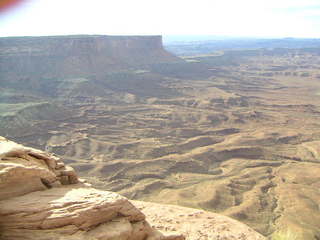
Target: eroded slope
{"points": [[235, 134], [239, 143]]}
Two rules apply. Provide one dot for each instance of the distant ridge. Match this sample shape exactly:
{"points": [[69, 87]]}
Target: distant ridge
{"points": [[195, 45]]}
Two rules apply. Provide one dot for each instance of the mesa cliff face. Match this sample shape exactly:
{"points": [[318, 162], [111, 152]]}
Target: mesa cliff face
{"points": [[70, 56], [41, 198]]}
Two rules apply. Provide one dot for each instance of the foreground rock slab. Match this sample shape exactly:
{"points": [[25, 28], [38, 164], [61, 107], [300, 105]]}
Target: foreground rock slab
{"points": [[73, 212], [194, 223], [41, 198]]}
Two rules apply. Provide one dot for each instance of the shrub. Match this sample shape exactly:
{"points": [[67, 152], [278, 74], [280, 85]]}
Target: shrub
{"points": [[288, 235]]}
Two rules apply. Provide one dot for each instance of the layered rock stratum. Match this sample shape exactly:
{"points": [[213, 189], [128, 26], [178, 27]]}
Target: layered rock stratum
{"points": [[41, 198]]}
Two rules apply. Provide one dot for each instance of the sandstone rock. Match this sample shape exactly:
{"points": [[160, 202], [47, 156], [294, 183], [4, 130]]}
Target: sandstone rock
{"points": [[75, 212], [24, 170], [194, 223], [83, 208], [39, 202]]}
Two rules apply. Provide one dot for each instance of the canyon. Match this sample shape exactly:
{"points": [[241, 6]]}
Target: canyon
{"points": [[234, 133]]}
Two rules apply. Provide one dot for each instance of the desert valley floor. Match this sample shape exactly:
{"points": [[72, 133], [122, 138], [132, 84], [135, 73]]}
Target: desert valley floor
{"points": [[241, 138]]}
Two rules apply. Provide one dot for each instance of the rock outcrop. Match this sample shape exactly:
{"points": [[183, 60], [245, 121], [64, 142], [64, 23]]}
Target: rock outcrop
{"points": [[44, 199], [41, 198], [25, 170], [194, 223]]}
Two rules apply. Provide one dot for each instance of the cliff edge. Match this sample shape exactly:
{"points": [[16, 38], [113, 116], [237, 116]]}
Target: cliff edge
{"points": [[41, 198]]}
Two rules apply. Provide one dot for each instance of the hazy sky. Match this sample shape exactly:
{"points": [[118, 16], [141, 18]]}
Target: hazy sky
{"points": [[261, 18]]}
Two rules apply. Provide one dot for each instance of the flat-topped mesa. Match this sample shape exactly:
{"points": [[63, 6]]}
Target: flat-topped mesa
{"points": [[76, 45], [79, 55]]}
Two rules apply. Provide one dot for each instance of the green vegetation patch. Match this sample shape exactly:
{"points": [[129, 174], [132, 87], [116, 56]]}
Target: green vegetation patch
{"points": [[288, 235], [7, 109]]}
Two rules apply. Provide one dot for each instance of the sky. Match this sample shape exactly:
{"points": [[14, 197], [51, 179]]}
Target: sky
{"points": [[238, 18]]}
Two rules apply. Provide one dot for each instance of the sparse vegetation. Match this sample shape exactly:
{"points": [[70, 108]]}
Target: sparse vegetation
{"points": [[284, 235], [7, 109]]}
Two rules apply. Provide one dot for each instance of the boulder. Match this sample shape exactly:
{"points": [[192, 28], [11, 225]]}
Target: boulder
{"points": [[24, 170]]}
